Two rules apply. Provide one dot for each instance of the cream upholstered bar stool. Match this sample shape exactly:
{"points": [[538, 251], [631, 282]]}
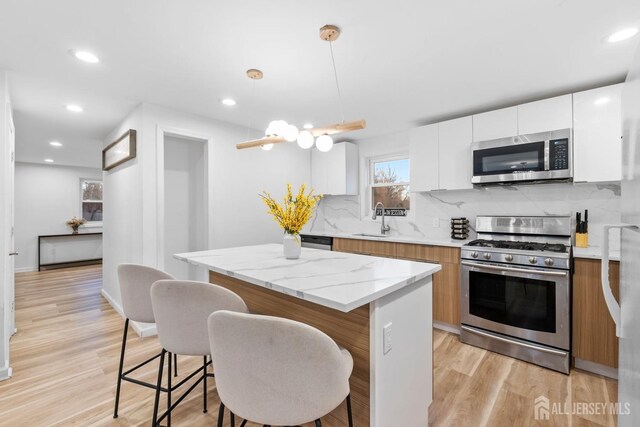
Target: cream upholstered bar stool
{"points": [[135, 283], [275, 371], [181, 309]]}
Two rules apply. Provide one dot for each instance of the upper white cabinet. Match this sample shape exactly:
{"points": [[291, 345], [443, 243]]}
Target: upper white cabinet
{"points": [[597, 132], [548, 114], [454, 153], [495, 124], [336, 171], [423, 149]]}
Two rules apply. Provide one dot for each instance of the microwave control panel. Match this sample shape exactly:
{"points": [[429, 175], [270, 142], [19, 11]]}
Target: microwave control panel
{"points": [[559, 154]]}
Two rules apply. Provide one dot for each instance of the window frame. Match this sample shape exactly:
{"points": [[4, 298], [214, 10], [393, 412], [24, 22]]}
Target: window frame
{"points": [[89, 224], [371, 161]]}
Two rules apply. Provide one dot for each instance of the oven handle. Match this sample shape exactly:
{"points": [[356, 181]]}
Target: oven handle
{"points": [[515, 270], [508, 341]]}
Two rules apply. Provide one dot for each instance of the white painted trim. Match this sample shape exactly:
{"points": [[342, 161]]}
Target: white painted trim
{"points": [[596, 368], [142, 329], [161, 131], [26, 269], [6, 372], [446, 327]]}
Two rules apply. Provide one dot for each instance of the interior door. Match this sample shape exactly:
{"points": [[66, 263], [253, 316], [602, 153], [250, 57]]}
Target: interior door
{"points": [[10, 270]]}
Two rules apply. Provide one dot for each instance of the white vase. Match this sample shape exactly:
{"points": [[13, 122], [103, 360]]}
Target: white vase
{"points": [[291, 244]]}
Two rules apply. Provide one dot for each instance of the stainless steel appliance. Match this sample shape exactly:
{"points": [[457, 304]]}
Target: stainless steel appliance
{"points": [[516, 289], [316, 242], [533, 157]]}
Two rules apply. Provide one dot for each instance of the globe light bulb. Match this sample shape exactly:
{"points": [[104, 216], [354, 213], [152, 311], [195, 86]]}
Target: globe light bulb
{"points": [[305, 139], [280, 127], [324, 143], [271, 129], [290, 133], [267, 147]]}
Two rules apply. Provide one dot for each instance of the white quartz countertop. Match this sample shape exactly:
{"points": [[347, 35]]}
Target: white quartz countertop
{"points": [[395, 239], [594, 252], [336, 280]]}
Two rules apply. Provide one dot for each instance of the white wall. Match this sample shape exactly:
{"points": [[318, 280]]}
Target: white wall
{"points": [[238, 176], [184, 215], [46, 196]]}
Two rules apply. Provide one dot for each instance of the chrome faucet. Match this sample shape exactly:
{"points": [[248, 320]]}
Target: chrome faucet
{"points": [[384, 229]]}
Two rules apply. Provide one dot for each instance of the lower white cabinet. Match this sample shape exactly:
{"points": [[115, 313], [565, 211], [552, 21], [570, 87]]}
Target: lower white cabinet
{"points": [[336, 171], [597, 133], [423, 157], [455, 161]]}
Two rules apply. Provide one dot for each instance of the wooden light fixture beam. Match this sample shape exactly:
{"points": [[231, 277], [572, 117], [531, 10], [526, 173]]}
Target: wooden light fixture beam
{"points": [[324, 130]]}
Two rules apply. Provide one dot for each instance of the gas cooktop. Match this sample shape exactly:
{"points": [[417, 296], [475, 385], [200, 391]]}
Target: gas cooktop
{"points": [[523, 246]]}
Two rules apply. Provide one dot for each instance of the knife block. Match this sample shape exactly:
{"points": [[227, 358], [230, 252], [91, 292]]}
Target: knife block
{"points": [[582, 240]]}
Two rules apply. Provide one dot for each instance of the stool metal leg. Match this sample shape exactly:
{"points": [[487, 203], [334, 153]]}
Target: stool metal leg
{"points": [[204, 382], [159, 385], [221, 414], [175, 365], [124, 344], [169, 393], [349, 413], [318, 423], [232, 418]]}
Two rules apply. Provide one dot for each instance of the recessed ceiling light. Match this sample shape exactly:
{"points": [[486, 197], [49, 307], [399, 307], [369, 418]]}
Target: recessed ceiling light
{"points": [[308, 125], [75, 108], [55, 144], [85, 56], [602, 101], [228, 102], [48, 160], [622, 35]]}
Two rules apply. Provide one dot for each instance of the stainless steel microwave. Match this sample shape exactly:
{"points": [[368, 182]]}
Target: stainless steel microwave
{"points": [[533, 157]]}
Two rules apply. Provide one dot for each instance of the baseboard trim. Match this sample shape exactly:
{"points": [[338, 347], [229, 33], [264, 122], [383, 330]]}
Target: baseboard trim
{"points": [[447, 327], [596, 368], [142, 329], [5, 373], [25, 269]]}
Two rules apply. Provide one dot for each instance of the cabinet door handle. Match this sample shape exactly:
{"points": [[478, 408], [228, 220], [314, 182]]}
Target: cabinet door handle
{"points": [[13, 253]]}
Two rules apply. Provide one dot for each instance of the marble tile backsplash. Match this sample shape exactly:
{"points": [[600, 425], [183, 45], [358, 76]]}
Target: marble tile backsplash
{"points": [[344, 214]]}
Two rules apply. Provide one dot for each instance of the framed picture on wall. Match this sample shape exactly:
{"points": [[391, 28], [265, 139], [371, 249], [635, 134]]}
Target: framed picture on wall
{"points": [[119, 151]]}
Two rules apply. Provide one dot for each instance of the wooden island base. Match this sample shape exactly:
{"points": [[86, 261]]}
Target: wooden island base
{"points": [[350, 330]]}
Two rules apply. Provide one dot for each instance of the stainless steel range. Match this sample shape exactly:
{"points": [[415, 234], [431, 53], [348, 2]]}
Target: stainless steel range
{"points": [[516, 289]]}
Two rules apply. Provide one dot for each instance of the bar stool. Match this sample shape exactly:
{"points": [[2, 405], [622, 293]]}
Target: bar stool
{"points": [[275, 371], [135, 283], [181, 309]]}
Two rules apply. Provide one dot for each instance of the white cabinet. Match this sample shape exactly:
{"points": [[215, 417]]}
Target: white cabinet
{"points": [[454, 154], [423, 157], [597, 132], [548, 114], [336, 171], [495, 124]]}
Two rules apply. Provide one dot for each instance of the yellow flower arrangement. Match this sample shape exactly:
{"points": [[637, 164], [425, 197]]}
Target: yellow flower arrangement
{"points": [[294, 213]]}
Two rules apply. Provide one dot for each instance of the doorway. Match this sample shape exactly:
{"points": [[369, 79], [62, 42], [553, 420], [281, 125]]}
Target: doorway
{"points": [[185, 211]]}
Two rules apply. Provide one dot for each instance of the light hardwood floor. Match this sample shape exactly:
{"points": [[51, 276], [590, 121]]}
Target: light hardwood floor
{"points": [[65, 359]]}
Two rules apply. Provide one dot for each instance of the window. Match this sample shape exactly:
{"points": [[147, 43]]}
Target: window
{"points": [[91, 200], [389, 183]]}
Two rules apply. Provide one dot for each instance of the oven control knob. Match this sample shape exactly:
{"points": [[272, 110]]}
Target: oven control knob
{"points": [[549, 261], [533, 259], [508, 257], [487, 255], [474, 254]]}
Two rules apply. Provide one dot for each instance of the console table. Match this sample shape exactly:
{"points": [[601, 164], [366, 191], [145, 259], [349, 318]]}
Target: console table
{"points": [[69, 263]]}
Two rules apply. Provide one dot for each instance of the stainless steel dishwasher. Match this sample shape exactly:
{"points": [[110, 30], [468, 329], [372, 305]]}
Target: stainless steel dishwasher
{"points": [[316, 242]]}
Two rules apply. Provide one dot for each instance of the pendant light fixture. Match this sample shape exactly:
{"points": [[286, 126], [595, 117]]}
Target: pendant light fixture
{"points": [[280, 131]]}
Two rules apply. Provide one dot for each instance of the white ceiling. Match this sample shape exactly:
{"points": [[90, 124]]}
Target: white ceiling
{"points": [[400, 63]]}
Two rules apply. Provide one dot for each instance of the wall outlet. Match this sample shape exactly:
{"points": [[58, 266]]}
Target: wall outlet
{"points": [[436, 222], [386, 338]]}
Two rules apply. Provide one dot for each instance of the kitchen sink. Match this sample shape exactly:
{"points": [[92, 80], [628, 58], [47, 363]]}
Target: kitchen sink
{"points": [[371, 235]]}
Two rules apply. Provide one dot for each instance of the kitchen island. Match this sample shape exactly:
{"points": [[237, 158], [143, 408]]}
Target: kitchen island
{"points": [[355, 299]]}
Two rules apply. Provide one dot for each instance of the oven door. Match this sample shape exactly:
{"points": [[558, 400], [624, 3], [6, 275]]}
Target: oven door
{"points": [[531, 304]]}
